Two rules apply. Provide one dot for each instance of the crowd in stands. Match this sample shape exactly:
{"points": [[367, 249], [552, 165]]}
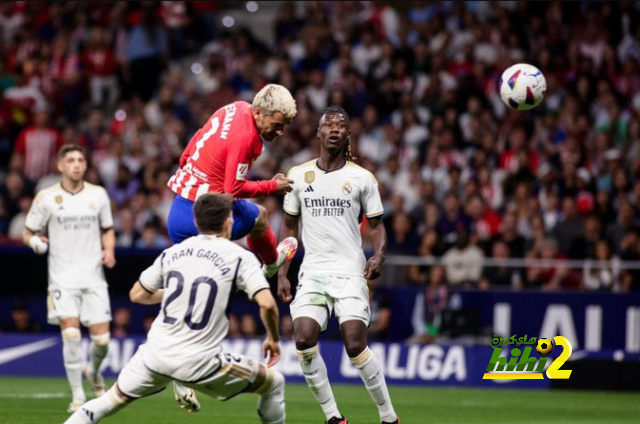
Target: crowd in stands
{"points": [[462, 177]]}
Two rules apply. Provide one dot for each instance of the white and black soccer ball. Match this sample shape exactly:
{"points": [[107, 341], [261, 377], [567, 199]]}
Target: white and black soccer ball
{"points": [[522, 86]]}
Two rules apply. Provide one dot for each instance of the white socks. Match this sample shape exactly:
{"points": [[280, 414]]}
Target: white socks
{"points": [[96, 409], [99, 348], [72, 356], [371, 373], [315, 372], [271, 401]]}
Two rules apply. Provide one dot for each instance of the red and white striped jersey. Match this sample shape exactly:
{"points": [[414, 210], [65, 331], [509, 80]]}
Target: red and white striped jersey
{"points": [[219, 156]]}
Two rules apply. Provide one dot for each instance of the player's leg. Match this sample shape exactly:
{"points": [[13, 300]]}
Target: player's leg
{"points": [[100, 337], [238, 374], [96, 314], [63, 309], [308, 321], [252, 220], [72, 358], [180, 222], [98, 408], [134, 382], [269, 385], [352, 310]]}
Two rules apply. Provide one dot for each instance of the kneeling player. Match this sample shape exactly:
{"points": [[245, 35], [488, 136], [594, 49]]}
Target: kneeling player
{"points": [[184, 341]]}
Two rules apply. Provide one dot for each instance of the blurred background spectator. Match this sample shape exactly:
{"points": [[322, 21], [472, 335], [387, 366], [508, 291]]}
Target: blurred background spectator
{"points": [[461, 176]]}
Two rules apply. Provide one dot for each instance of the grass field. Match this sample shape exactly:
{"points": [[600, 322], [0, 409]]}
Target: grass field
{"points": [[40, 401]]}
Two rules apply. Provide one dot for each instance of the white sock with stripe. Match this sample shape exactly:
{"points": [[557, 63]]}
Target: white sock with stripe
{"points": [[371, 373], [315, 373]]}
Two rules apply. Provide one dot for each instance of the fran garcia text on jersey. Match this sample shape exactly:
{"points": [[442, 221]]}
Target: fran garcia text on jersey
{"points": [[326, 206], [213, 257]]}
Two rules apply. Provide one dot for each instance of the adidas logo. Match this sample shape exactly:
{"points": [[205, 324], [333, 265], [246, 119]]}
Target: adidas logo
{"points": [[309, 189]]}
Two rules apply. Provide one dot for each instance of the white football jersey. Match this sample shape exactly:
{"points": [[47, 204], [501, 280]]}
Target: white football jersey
{"points": [[331, 205], [74, 224], [199, 276]]}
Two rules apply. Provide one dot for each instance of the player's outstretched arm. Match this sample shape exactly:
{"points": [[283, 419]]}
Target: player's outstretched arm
{"points": [[270, 318], [378, 235], [289, 229], [139, 294]]}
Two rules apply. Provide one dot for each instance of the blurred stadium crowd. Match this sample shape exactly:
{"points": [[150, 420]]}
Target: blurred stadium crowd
{"points": [[460, 175]]}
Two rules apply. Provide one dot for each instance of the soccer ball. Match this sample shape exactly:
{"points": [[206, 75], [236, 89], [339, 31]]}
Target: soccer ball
{"points": [[544, 347], [522, 86]]}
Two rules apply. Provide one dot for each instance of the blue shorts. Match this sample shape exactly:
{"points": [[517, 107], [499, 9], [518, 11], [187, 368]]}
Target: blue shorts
{"points": [[181, 225]]}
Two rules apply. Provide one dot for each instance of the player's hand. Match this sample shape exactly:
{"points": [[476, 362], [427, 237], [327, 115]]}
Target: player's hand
{"points": [[373, 269], [284, 289], [39, 244], [284, 184], [271, 350], [108, 258], [186, 397]]}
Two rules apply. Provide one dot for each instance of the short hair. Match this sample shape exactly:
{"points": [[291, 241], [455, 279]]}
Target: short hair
{"points": [[68, 148], [335, 109], [211, 210], [275, 98]]}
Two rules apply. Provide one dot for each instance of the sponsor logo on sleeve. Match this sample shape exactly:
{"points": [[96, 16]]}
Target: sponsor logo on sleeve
{"points": [[241, 173]]}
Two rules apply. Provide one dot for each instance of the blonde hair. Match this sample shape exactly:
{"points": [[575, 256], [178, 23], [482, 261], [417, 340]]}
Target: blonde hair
{"points": [[275, 98]]}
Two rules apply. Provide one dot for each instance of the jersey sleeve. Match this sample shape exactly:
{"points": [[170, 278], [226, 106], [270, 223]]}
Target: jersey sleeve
{"points": [[239, 160], [38, 215], [105, 216], [249, 276], [370, 198], [151, 278], [292, 199]]}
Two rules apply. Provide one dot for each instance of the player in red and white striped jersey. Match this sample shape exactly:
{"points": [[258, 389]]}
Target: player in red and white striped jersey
{"points": [[218, 159]]}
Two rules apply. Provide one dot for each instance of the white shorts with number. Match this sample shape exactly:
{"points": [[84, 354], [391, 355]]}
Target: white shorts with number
{"points": [[91, 305], [230, 375], [318, 295]]}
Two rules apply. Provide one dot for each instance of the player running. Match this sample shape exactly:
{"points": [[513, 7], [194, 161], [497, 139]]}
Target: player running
{"points": [[218, 159], [329, 196], [194, 281]]}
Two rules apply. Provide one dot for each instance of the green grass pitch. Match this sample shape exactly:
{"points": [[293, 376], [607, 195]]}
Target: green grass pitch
{"points": [[44, 400]]}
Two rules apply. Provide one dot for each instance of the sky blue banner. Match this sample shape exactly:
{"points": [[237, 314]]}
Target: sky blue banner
{"points": [[453, 365]]}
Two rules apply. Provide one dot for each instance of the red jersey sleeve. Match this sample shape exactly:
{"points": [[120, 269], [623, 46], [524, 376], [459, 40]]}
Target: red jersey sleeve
{"points": [[239, 160]]}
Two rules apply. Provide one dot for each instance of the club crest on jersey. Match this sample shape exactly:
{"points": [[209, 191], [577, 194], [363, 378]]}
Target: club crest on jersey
{"points": [[241, 173], [346, 188], [59, 199], [309, 177], [92, 206]]}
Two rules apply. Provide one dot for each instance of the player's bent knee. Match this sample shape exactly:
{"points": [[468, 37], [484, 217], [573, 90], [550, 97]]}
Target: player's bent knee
{"points": [[305, 341], [71, 334], [354, 349], [101, 340]]}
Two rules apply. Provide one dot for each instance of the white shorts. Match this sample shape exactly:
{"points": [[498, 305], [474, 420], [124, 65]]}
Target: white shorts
{"points": [[232, 375], [318, 295], [91, 306]]}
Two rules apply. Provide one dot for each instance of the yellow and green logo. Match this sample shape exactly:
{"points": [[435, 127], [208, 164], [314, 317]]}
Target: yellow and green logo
{"points": [[523, 366]]}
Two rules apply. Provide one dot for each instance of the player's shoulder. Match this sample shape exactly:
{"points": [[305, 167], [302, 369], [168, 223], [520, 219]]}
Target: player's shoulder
{"points": [[48, 192], [354, 168], [94, 187], [301, 169]]}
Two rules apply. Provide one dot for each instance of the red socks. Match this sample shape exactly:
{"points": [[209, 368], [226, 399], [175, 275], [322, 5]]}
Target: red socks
{"points": [[265, 247]]}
